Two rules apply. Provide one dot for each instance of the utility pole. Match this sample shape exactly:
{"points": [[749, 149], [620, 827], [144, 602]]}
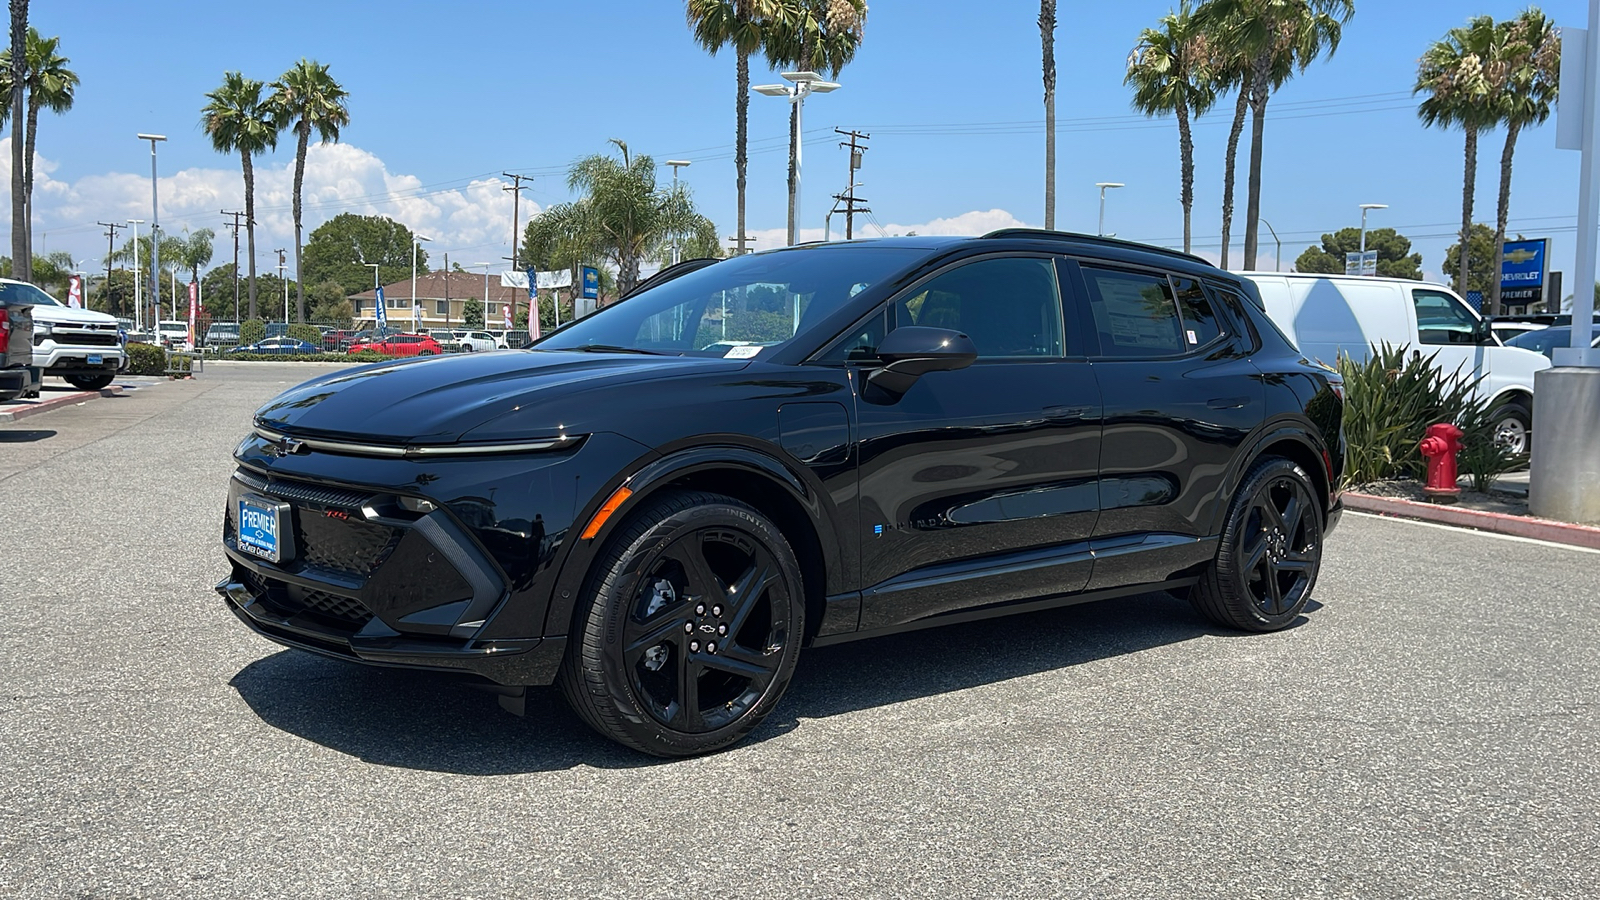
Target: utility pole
{"points": [[447, 289], [516, 220], [281, 277], [857, 147], [237, 216], [111, 248]]}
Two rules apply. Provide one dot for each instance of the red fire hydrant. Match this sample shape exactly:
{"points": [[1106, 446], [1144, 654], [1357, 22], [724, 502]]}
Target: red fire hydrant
{"points": [[1441, 445]]}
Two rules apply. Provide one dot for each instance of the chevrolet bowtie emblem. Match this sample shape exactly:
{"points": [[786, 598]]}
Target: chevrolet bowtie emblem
{"points": [[1520, 256], [285, 447]]}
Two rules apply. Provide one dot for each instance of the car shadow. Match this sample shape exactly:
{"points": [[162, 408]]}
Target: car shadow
{"points": [[26, 436], [416, 720]]}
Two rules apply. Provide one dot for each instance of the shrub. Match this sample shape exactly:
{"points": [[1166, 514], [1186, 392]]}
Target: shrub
{"points": [[252, 331], [364, 356], [311, 334], [1392, 398], [146, 359]]}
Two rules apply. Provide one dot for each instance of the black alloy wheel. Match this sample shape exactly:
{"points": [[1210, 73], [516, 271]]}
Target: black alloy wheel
{"points": [[691, 636], [1269, 553]]}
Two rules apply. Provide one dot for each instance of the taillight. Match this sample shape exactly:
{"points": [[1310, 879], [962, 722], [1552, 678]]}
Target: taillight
{"points": [[5, 321], [1338, 388]]}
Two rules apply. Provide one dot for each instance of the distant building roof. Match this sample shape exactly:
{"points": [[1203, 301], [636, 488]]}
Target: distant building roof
{"points": [[461, 286]]}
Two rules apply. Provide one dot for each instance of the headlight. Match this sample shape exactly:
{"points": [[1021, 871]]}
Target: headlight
{"points": [[42, 329]]}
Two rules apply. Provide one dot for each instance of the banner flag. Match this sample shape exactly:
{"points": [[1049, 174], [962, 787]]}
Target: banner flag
{"points": [[75, 292], [382, 315]]}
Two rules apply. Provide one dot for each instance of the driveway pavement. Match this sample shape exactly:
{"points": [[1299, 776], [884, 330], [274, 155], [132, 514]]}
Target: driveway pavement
{"points": [[1427, 730]]}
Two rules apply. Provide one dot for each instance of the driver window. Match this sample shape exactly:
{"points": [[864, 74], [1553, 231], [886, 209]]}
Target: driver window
{"points": [[1441, 319]]}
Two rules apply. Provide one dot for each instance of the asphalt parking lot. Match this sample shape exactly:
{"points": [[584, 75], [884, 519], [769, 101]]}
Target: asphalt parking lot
{"points": [[1427, 730]]}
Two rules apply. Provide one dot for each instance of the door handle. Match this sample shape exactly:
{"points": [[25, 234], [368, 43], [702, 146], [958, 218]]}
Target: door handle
{"points": [[1228, 402], [1066, 412]]}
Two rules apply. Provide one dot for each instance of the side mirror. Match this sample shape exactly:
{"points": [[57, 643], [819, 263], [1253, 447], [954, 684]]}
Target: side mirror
{"points": [[910, 352]]}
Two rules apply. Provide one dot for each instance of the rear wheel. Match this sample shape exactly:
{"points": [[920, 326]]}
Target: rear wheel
{"points": [[691, 627], [90, 382], [1269, 553], [1513, 427], [425, 353]]}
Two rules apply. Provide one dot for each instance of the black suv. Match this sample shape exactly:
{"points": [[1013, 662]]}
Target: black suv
{"points": [[656, 507]]}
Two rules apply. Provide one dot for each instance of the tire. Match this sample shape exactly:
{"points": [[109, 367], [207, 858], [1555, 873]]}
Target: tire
{"points": [[90, 382], [1513, 427], [425, 353], [657, 663], [1269, 553]]}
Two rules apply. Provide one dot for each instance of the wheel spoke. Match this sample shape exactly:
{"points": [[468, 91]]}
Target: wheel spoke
{"points": [[1274, 588], [1254, 556], [1293, 512], [728, 661], [1274, 517], [703, 582], [746, 592], [686, 711], [663, 627]]}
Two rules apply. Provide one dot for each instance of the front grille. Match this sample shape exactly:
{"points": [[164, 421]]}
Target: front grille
{"points": [[85, 339], [315, 493], [346, 546], [335, 607]]}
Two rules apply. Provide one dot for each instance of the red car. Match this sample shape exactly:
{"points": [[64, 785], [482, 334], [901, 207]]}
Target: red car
{"points": [[400, 345]]}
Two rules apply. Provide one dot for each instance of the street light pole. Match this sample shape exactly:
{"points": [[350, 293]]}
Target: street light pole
{"points": [[485, 291], [1278, 259], [138, 292], [1104, 186], [155, 228], [803, 84], [676, 164], [1364, 208], [375, 286], [416, 241]]}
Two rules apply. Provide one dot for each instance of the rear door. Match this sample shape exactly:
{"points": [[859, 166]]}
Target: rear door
{"points": [[1180, 396], [978, 486]]}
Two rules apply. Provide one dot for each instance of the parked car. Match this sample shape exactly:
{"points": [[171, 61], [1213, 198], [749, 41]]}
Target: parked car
{"points": [[280, 345], [222, 334], [173, 333], [1326, 315], [471, 341], [1546, 340], [336, 340], [16, 345], [399, 345], [82, 346], [446, 340], [1506, 330], [949, 429]]}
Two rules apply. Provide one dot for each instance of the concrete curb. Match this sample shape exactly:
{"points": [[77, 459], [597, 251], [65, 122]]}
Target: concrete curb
{"points": [[13, 413], [1499, 523]]}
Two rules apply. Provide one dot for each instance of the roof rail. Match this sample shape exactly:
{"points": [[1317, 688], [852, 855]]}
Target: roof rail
{"points": [[1040, 234]]}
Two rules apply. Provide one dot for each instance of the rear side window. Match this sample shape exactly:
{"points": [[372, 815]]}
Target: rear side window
{"points": [[1200, 323], [1136, 314]]}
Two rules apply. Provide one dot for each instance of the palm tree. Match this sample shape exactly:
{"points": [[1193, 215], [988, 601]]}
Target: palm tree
{"points": [[1230, 72], [49, 84], [21, 255], [740, 24], [238, 119], [1168, 71], [1456, 75], [622, 216], [1278, 38], [813, 36], [306, 99], [195, 252], [1531, 54], [1047, 40]]}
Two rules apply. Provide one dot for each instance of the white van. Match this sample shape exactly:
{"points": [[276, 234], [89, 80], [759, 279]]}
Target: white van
{"points": [[1326, 315]]}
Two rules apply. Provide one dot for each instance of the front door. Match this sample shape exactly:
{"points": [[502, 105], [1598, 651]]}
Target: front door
{"points": [[978, 486]]}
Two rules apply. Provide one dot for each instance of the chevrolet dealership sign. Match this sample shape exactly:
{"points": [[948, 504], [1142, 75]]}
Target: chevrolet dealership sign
{"points": [[1525, 271]]}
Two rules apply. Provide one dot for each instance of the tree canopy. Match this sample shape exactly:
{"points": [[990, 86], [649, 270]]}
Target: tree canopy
{"points": [[1395, 259], [1480, 260], [337, 249]]}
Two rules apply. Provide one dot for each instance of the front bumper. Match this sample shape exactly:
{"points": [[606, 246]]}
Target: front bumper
{"points": [[363, 578], [59, 359]]}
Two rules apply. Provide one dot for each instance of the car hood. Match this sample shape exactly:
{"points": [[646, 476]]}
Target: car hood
{"points": [[65, 315], [439, 399]]}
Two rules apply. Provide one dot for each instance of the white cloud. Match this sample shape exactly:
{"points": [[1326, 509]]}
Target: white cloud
{"points": [[473, 218], [974, 222]]}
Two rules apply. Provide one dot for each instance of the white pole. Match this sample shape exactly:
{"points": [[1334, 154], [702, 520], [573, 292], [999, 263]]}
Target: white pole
{"points": [[800, 91], [1580, 353], [138, 290], [414, 244], [1101, 229], [1363, 233]]}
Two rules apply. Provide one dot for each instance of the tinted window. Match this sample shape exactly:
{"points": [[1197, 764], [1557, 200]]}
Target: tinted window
{"points": [[1441, 319], [1009, 307], [1135, 314], [25, 294], [1200, 323]]}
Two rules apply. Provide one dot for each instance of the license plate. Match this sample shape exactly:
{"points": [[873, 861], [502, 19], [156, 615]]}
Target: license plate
{"points": [[259, 528], [96, 360]]}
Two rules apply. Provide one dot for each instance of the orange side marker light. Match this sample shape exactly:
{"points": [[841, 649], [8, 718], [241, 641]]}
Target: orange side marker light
{"points": [[595, 524]]}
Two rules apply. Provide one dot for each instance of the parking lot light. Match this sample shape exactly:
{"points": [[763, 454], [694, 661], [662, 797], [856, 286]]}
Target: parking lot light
{"points": [[1104, 186], [803, 84]]}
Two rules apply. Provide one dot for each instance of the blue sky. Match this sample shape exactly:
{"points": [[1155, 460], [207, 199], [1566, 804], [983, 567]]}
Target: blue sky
{"points": [[446, 97]]}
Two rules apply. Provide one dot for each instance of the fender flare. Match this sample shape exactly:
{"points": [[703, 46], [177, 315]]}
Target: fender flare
{"points": [[654, 474], [1287, 427]]}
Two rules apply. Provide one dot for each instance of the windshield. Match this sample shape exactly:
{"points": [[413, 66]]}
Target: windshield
{"points": [[738, 307], [25, 294]]}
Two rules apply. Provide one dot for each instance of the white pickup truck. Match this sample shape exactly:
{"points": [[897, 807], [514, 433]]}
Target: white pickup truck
{"points": [[79, 345]]}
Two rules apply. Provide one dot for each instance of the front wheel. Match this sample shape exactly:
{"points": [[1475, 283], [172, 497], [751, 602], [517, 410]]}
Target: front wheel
{"points": [[425, 353], [90, 382], [1269, 553], [690, 629]]}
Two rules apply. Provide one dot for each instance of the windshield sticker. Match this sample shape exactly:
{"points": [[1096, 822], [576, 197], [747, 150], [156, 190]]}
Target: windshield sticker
{"points": [[745, 352]]}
